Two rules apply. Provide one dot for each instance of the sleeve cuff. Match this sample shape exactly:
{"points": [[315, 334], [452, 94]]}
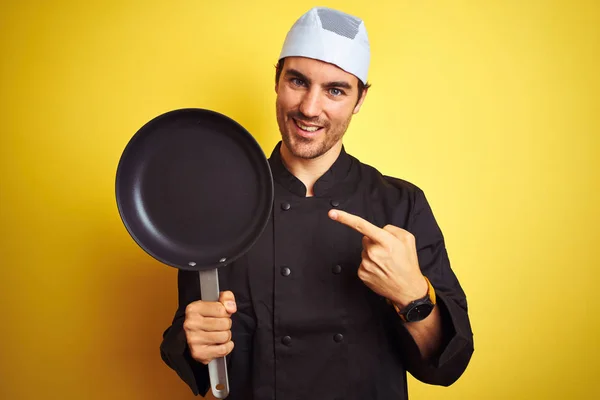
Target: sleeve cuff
{"points": [[457, 330], [456, 348], [175, 353]]}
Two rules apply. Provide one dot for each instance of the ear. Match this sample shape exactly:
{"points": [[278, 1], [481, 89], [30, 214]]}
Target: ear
{"points": [[360, 101], [277, 80]]}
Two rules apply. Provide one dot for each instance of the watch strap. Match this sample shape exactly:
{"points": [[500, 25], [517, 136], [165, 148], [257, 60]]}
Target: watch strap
{"points": [[429, 296]]}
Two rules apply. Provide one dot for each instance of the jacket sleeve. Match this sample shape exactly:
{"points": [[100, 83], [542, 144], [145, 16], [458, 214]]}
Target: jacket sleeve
{"points": [[174, 349], [457, 346]]}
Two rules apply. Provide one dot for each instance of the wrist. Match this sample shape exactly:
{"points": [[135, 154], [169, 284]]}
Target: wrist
{"points": [[417, 291], [419, 308]]}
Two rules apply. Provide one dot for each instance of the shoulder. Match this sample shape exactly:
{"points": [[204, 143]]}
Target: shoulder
{"points": [[400, 202], [388, 185], [389, 199], [402, 185]]}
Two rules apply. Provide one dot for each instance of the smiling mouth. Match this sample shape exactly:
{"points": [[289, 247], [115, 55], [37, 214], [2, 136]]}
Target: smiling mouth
{"points": [[306, 128]]}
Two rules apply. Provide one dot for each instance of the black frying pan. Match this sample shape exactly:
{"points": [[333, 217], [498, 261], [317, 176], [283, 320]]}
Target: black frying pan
{"points": [[195, 191]]}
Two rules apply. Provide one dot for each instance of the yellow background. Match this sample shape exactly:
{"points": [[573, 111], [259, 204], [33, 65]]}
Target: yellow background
{"points": [[491, 107]]}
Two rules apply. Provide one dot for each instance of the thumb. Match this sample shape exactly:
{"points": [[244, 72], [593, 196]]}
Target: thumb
{"points": [[228, 300]]}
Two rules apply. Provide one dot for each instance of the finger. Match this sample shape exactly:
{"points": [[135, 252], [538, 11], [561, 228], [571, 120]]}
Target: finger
{"points": [[198, 323], [396, 231], [367, 242], [374, 252], [365, 256], [205, 354], [367, 264], [360, 225], [228, 300], [209, 324], [363, 274], [208, 338], [206, 309]]}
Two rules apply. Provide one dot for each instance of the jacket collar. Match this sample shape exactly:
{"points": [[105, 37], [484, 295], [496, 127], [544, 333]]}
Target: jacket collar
{"points": [[341, 177]]}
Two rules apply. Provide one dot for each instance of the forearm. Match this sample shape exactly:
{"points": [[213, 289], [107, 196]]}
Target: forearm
{"points": [[435, 352], [427, 334]]}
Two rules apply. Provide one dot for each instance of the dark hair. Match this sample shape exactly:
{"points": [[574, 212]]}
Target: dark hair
{"points": [[361, 85]]}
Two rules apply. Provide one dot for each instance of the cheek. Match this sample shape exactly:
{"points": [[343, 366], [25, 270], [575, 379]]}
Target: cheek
{"points": [[288, 99], [280, 104], [339, 113]]}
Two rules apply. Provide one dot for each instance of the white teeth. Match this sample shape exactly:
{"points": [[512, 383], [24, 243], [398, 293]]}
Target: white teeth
{"points": [[307, 128]]}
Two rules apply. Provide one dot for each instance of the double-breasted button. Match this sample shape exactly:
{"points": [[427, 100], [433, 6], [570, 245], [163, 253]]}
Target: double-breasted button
{"points": [[285, 206], [285, 271], [338, 337], [286, 340], [336, 269], [334, 203]]}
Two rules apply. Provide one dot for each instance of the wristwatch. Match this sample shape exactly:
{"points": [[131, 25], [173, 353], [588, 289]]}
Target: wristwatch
{"points": [[419, 309]]}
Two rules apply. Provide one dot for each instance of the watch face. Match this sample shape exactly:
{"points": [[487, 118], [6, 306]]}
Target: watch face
{"points": [[419, 312]]}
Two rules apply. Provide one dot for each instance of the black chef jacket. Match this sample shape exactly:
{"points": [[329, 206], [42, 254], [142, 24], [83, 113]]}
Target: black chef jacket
{"points": [[306, 326]]}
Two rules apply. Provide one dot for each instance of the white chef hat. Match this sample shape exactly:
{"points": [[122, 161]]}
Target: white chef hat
{"points": [[331, 36]]}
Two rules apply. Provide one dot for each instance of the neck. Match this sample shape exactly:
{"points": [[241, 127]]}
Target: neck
{"points": [[308, 171]]}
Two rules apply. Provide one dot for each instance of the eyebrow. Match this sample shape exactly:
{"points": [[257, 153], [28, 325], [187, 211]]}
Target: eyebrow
{"points": [[300, 75]]}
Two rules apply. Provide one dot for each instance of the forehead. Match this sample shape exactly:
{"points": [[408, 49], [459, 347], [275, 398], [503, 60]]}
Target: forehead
{"points": [[319, 71]]}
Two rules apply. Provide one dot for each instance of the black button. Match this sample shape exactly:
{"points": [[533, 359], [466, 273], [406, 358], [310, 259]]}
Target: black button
{"points": [[338, 337], [335, 203], [286, 206], [286, 340], [285, 271], [336, 269]]}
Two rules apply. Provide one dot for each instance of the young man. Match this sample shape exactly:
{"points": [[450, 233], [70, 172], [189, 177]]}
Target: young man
{"points": [[350, 285]]}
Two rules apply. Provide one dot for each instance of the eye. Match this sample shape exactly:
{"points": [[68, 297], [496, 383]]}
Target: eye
{"points": [[297, 81], [336, 92]]}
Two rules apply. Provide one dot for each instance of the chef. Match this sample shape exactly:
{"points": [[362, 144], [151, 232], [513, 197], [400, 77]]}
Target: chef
{"points": [[350, 286]]}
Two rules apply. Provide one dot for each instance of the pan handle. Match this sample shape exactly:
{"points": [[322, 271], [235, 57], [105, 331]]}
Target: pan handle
{"points": [[217, 368]]}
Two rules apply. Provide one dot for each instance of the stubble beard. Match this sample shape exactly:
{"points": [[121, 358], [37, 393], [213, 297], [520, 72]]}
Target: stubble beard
{"points": [[306, 148]]}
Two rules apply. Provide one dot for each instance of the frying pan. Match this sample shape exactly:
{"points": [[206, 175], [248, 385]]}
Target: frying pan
{"points": [[195, 191]]}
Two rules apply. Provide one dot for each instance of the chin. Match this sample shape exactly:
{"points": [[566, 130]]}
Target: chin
{"points": [[303, 148], [305, 152]]}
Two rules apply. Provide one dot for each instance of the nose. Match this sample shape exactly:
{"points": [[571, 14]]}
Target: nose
{"points": [[310, 105]]}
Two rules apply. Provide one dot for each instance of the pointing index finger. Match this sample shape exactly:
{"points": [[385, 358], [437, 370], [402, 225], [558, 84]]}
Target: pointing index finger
{"points": [[359, 224]]}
